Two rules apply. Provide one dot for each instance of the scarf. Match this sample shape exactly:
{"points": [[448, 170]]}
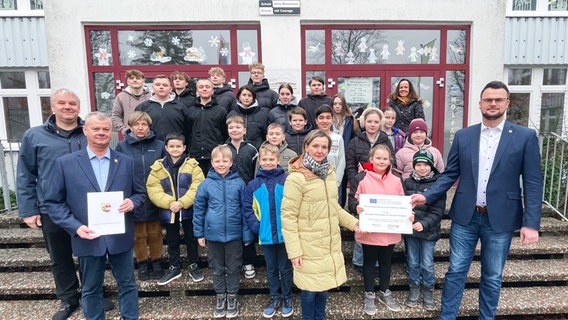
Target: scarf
{"points": [[319, 169], [418, 177]]}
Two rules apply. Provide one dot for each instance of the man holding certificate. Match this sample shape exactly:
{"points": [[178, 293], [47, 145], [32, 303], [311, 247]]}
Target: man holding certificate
{"points": [[92, 192]]}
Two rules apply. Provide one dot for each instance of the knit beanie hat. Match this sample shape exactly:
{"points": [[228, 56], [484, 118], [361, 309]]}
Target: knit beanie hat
{"points": [[417, 124], [425, 156]]}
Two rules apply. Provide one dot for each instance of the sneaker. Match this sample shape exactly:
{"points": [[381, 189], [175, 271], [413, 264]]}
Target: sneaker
{"points": [[287, 307], [248, 269], [387, 299], [232, 306], [171, 274], [220, 306], [65, 310], [370, 307], [428, 297], [271, 308], [413, 296], [195, 273]]}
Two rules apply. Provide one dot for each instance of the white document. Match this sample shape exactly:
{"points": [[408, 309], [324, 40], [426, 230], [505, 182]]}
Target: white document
{"points": [[103, 213], [384, 213]]}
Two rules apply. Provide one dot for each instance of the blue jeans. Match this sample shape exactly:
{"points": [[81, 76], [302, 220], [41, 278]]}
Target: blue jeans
{"points": [[278, 270], [92, 276], [494, 251], [313, 305], [420, 261]]}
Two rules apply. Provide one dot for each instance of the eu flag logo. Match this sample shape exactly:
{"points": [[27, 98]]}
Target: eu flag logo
{"points": [[372, 200]]}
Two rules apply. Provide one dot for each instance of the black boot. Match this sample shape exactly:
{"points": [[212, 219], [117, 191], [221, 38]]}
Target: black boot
{"points": [[157, 271], [143, 273]]}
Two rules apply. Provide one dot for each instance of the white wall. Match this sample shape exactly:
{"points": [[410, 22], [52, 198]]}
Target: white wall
{"points": [[281, 41]]}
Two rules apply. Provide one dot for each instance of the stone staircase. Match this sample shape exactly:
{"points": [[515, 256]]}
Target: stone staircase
{"points": [[535, 282]]}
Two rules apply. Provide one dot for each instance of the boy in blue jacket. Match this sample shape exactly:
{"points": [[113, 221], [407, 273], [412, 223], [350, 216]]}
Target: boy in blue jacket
{"points": [[218, 219], [262, 201]]}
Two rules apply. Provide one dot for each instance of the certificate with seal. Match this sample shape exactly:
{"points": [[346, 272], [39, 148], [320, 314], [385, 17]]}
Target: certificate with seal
{"points": [[384, 213], [103, 213]]}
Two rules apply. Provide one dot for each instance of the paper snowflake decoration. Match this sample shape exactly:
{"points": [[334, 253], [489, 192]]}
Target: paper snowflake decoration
{"points": [[175, 41], [224, 52], [131, 54], [148, 42], [130, 38], [105, 95], [214, 41]]}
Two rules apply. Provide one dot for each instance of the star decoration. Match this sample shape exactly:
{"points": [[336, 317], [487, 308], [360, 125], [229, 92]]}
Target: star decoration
{"points": [[214, 41]]}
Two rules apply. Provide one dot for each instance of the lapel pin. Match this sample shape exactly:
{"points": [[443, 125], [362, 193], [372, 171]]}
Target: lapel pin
{"points": [[116, 160], [510, 131]]}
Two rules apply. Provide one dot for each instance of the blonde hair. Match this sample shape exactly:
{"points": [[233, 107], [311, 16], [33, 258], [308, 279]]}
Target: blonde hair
{"points": [[217, 70], [222, 151], [369, 111], [139, 116], [267, 148], [235, 119], [257, 65]]}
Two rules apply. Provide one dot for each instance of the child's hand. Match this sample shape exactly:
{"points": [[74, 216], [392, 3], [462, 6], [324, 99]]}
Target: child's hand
{"points": [[360, 209], [417, 226], [297, 262], [411, 217], [201, 242], [175, 207], [356, 228]]}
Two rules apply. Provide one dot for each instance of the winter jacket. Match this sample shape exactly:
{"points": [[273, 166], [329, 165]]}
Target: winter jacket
{"points": [[225, 97], [429, 216], [163, 191], [405, 114], [399, 138], [358, 153], [311, 102], [218, 214], [370, 182], [124, 104], [262, 202], [171, 117], [286, 154], [405, 155], [295, 139], [280, 112], [208, 128], [256, 122], [187, 97], [144, 152], [311, 217], [266, 97], [40, 147], [244, 159], [348, 130]]}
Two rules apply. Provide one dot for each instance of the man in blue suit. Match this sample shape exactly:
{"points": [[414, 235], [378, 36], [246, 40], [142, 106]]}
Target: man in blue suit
{"points": [[489, 159], [98, 169]]}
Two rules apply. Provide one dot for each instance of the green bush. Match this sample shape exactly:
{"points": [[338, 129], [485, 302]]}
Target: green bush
{"points": [[12, 199]]}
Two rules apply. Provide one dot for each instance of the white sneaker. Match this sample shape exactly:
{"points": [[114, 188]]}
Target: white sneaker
{"points": [[248, 269]]}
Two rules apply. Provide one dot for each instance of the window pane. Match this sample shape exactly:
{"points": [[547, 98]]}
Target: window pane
{"points": [[43, 80], [101, 49], [247, 41], [518, 111], [16, 115], [557, 5], [524, 5], [553, 77], [315, 46], [36, 4], [12, 80], [45, 108], [457, 45], [385, 46], [520, 77], [8, 5], [104, 91], [551, 113], [454, 105]]}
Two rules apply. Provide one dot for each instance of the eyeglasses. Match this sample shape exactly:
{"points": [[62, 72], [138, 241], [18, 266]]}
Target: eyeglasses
{"points": [[256, 72], [496, 100]]}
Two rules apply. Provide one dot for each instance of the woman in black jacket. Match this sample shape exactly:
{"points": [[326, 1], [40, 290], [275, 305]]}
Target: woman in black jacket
{"points": [[406, 103]]}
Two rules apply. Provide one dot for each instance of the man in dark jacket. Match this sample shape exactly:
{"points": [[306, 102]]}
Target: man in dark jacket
{"points": [[266, 97], [223, 92], [184, 94]]}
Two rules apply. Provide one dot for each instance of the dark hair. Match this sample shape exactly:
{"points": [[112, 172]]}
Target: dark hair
{"points": [[324, 108], [297, 110], [179, 75], [411, 92], [248, 88], [287, 86], [495, 85], [175, 136], [318, 79]]}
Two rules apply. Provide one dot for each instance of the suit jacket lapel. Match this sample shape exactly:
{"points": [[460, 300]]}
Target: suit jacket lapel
{"points": [[113, 168], [85, 164], [506, 136], [474, 142]]}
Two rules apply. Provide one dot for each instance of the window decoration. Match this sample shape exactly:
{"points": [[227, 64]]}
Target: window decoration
{"points": [[457, 44], [104, 91], [101, 48]]}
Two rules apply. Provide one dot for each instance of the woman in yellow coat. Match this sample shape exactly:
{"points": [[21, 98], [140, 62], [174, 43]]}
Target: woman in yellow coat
{"points": [[311, 217]]}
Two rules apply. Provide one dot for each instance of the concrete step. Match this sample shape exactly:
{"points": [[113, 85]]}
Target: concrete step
{"points": [[516, 271], [525, 303]]}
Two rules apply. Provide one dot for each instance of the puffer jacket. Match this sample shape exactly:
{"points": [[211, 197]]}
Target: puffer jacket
{"points": [[218, 214], [123, 106], [405, 114], [405, 155], [208, 128], [225, 97], [40, 147], [429, 216], [311, 217], [358, 153], [266, 97], [280, 112], [256, 122], [311, 102], [162, 193], [262, 202], [144, 153], [370, 182], [295, 139], [244, 158]]}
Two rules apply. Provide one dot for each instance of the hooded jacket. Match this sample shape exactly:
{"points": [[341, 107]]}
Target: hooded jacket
{"points": [[256, 122], [430, 215], [171, 117], [404, 157], [358, 153], [280, 112], [266, 97], [295, 139], [124, 104], [208, 128], [311, 102], [311, 217], [144, 152], [225, 97], [40, 147]]}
